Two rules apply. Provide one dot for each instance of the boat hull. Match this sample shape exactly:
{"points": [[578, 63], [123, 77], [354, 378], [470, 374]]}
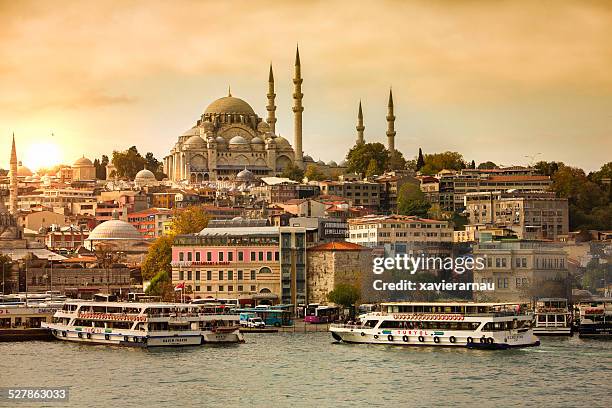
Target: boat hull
{"points": [[139, 339], [30, 334], [479, 340], [552, 331]]}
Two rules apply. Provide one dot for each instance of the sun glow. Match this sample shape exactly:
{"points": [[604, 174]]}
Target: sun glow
{"points": [[42, 155]]}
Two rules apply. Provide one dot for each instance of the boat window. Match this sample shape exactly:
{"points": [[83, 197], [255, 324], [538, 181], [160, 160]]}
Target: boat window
{"points": [[542, 318], [390, 324], [561, 318], [370, 323]]}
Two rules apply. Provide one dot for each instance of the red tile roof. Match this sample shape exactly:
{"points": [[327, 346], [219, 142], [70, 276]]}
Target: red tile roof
{"points": [[338, 246]]}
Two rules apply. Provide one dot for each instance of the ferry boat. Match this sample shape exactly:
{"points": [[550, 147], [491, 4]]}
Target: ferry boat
{"points": [[144, 324], [595, 318], [21, 322], [552, 317], [456, 324]]}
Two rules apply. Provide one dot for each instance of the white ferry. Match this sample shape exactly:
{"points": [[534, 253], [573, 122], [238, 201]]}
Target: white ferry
{"points": [[552, 317], [458, 324], [595, 318], [143, 324]]}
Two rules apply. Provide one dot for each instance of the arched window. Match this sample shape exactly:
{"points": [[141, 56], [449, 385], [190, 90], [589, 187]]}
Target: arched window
{"points": [[265, 290], [265, 269]]}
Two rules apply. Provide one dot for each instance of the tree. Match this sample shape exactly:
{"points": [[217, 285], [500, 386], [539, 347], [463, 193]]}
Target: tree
{"points": [[159, 258], [411, 201], [100, 166], [547, 168], [345, 295], [488, 165], [161, 285], [420, 161], [314, 173], [128, 162], [396, 161], [154, 165], [189, 220], [293, 172], [442, 161], [372, 169], [359, 157], [5, 264]]}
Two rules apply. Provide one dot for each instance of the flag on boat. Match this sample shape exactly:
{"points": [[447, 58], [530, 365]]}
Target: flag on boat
{"points": [[180, 286]]}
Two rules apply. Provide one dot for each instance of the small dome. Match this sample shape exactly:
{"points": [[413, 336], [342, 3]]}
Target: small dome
{"points": [[321, 163], [191, 132], [195, 142], [23, 171], [308, 159], [343, 163], [82, 162], [220, 140], [282, 142], [229, 104], [332, 163], [145, 175], [245, 175], [238, 140], [114, 229], [257, 140]]}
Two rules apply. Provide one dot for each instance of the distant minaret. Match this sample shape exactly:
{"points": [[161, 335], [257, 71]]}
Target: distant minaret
{"points": [[390, 124], [297, 111], [13, 180], [271, 108], [360, 127]]}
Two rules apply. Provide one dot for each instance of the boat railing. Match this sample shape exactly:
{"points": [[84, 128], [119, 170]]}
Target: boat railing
{"points": [[486, 314], [348, 326]]}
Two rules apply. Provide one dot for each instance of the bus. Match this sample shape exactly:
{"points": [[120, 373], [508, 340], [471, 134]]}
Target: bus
{"points": [[316, 313], [272, 317]]}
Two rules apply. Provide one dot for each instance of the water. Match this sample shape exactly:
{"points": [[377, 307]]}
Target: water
{"points": [[308, 369]]}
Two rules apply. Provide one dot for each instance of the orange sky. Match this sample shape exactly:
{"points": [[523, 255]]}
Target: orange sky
{"points": [[495, 80]]}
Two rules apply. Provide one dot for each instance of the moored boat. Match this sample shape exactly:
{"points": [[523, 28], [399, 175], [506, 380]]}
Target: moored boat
{"points": [[552, 317], [21, 322], [454, 324], [595, 318], [143, 324]]}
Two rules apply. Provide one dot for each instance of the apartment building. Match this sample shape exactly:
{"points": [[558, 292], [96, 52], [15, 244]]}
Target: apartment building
{"points": [[531, 215], [521, 271], [358, 193], [150, 222], [400, 234]]}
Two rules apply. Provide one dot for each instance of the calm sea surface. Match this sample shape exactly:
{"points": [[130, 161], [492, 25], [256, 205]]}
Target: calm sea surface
{"points": [[308, 369]]}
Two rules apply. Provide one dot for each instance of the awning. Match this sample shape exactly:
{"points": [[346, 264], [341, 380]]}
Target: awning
{"points": [[265, 296]]}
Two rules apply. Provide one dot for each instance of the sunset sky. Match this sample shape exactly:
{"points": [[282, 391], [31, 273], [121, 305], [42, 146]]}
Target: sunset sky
{"points": [[494, 80]]}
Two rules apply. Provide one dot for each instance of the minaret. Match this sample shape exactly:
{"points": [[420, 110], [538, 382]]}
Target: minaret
{"points": [[271, 108], [390, 124], [360, 127], [297, 111], [13, 180]]}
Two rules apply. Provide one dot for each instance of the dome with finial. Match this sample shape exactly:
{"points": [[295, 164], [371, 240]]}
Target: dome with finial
{"points": [[23, 171], [231, 105], [308, 159], [114, 229], [145, 175], [238, 140], [332, 163], [82, 162], [245, 175]]}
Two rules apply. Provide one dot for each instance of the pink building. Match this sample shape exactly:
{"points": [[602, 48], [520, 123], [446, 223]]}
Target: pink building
{"points": [[229, 263]]}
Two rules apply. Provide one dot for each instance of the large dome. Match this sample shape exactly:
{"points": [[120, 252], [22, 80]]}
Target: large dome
{"points": [[82, 162], [114, 229], [229, 104], [195, 142]]}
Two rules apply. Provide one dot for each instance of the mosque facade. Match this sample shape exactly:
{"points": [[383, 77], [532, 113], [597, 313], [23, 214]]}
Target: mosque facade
{"points": [[230, 137]]}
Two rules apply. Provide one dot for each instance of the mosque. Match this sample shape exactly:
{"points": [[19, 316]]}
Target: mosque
{"points": [[230, 137]]}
